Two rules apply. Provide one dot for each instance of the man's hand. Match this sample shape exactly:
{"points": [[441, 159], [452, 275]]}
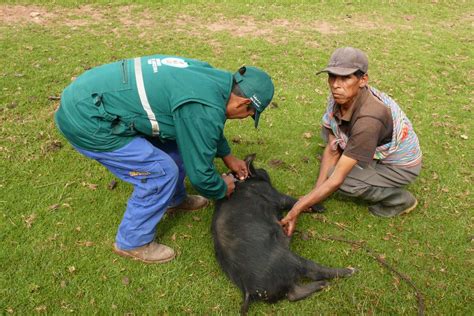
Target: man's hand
{"points": [[230, 182], [288, 223], [238, 166]]}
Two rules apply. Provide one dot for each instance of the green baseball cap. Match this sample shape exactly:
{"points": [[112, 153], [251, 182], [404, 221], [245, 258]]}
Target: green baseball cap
{"points": [[256, 85]]}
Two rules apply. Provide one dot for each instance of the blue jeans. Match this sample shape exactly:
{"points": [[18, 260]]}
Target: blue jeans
{"points": [[157, 174]]}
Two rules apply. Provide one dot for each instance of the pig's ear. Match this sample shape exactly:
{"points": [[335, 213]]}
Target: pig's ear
{"points": [[249, 161]]}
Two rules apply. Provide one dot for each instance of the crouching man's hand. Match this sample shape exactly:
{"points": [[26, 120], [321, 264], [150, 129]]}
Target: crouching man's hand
{"points": [[230, 182], [288, 223]]}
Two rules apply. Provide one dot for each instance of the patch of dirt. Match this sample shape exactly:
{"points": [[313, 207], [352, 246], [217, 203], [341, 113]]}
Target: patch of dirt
{"points": [[275, 31], [19, 14], [468, 17], [144, 20], [239, 27], [245, 26]]}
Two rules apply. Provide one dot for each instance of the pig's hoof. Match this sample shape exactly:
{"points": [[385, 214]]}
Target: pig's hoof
{"points": [[317, 208], [352, 271]]}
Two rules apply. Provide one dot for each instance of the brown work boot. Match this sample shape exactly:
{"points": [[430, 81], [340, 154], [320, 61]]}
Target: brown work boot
{"points": [[149, 253], [191, 203]]}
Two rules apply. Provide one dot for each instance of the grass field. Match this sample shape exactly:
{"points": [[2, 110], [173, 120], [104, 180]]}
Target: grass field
{"points": [[58, 218]]}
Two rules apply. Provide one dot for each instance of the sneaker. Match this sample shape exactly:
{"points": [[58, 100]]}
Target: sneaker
{"points": [[149, 253], [191, 203], [394, 210]]}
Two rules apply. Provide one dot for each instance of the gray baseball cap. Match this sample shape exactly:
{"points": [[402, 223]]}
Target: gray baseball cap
{"points": [[345, 61]]}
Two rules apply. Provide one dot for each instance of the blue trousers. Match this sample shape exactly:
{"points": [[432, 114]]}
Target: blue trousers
{"points": [[157, 173]]}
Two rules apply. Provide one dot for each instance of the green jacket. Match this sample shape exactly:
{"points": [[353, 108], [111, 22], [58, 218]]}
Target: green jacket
{"points": [[162, 96]]}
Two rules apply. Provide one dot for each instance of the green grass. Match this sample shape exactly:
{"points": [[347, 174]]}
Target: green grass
{"points": [[56, 232]]}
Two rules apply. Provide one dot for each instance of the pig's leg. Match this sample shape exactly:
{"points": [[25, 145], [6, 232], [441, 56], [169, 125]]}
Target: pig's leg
{"points": [[299, 292], [317, 272], [245, 304], [317, 208], [286, 202]]}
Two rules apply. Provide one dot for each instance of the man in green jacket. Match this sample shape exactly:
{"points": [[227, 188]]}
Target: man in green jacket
{"points": [[150, 118]]}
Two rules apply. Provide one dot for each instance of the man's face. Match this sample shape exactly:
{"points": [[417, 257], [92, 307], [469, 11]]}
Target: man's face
{"points": [[344, 89]]}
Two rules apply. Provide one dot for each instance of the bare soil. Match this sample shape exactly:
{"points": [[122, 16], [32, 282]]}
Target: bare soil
{"points": [[132, 16]]}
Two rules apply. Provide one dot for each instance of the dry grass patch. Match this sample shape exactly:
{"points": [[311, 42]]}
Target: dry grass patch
{"points": [[134, 16]]}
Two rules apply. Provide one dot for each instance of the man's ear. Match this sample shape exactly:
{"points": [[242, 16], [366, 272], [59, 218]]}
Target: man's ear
{"points": [[244, 101], [364, 80], [249, 162]]}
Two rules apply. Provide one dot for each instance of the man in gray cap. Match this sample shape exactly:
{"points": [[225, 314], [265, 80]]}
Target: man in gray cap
{"points": [[372, 149]]}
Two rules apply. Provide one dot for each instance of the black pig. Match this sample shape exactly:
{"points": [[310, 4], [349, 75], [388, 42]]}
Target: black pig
{"points": [[253, 250]]}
